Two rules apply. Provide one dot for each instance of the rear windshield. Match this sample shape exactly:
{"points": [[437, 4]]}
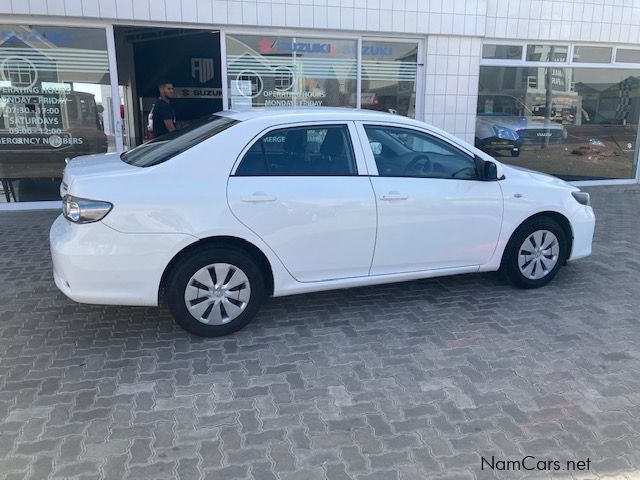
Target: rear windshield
{"points": [[169, 145]]}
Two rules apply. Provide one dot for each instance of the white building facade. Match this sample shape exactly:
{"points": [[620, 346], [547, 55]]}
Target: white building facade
{"points": [[552, 85]]}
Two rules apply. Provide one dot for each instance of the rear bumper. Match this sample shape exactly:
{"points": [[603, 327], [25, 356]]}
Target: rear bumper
{"points": [[94, 263], [583, 223]]}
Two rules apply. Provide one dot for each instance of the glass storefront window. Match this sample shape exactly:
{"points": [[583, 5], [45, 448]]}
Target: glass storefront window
{"points": [[502, 52], [576, 123], [389, 76], [592, 54], [267, 70], [55, 99], [627, 55], [547, 53]]}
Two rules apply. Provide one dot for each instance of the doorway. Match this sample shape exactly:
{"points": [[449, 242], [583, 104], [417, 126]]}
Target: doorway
{"points": [[188, 58]]}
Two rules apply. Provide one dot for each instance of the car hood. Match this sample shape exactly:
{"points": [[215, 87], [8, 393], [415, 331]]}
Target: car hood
{"points": [[513, 171]]}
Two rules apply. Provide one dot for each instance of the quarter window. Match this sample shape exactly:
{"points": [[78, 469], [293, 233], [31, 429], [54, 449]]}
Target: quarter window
{"points": [[317, 150], [401, 152]]}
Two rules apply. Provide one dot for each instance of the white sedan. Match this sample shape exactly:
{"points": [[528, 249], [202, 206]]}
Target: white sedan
{"points": [[241, 206]]}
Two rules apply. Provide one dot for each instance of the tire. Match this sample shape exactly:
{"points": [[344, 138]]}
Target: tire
{"points": [[228, 308], [540, 267]]}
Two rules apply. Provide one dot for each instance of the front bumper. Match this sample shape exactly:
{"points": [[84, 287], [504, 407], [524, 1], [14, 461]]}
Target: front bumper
{"points": [[583, 223], [94, 263]]}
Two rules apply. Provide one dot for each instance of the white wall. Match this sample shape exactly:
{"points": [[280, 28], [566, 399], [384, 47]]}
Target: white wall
{"points": [[451, 89], [459, 17], [577, 20], [615, 21]]}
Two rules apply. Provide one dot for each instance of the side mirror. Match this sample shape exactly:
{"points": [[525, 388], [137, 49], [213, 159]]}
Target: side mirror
{"points": [[376, 147], [492, 171]]}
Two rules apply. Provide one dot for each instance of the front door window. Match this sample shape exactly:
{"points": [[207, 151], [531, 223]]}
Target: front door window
{"points": [[401, 152]]}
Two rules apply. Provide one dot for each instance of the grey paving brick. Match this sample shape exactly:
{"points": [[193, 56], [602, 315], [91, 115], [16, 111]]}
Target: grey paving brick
{"points": [[246, 455], [262, 471], [233, 472], [407, 381], [211, 454], [380, 475], [281, 456], [140, 450], [265, 437], [336, 471], [77, 468], [387, 460], [41, 468], [354, 460]]}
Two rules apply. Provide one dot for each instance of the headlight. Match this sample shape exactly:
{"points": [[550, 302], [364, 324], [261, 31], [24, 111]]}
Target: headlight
{"points": [[505, 133], [82, 210], [582, 197]]}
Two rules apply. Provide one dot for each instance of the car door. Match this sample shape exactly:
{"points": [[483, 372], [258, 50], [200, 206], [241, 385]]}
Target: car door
{"points": [[434, 211], [298, 188]]}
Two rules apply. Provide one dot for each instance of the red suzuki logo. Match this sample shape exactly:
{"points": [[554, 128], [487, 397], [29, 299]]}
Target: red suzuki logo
{"points": [[265, 46]]}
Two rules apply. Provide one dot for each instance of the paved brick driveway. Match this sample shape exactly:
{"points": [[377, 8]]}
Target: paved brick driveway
{"points": [[409, 381]]}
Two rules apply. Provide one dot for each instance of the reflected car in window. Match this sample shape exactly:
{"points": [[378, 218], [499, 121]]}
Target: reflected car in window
{"points": [[217, 217], [503, 123]]}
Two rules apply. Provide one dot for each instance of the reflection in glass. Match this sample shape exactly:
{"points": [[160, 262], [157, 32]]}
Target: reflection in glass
{"points": [[577, 123], [546, 53], [592, 54], [502, 52], [389, 77], [627, 55], [54, 104], [290, 71]]}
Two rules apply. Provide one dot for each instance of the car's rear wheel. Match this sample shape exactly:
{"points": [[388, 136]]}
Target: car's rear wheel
{"points": [[535, 253], [215, 291]]}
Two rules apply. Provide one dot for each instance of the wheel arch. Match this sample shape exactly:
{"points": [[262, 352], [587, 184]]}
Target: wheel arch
{"points": [[226, 241], [558, 217]]}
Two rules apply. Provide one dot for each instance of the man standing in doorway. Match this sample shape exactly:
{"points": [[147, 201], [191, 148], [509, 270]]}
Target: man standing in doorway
{"points": [[164, 118]]}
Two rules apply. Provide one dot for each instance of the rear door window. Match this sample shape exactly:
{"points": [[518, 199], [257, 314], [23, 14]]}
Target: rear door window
{"points": [[312, 150]]}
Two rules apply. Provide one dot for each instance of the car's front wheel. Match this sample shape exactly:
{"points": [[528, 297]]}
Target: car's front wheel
{"points": [[215, 291], [535, 253]]}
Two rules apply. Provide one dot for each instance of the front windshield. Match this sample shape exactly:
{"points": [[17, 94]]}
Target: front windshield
{"points": [[169, 145]]}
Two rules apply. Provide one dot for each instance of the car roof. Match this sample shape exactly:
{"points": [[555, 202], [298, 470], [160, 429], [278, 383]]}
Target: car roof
{"points": [[301, 114]]}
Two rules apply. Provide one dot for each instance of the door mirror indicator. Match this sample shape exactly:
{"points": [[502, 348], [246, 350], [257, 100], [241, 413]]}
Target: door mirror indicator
{"points": [[376, 147]]}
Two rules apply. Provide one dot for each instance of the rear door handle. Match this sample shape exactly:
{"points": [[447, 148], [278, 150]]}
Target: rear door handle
{"points": [[259, 197], [391, 196]]}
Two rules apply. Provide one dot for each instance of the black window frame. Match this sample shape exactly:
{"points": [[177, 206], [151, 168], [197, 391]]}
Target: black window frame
{"points": [[263, 134], [477, 162]]}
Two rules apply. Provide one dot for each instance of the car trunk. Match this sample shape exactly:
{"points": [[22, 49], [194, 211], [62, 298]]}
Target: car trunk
{"points": [[92, 166]]}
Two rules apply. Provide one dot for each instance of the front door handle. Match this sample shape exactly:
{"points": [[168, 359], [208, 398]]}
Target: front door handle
{"points": [[391, 196], [259, 197]]}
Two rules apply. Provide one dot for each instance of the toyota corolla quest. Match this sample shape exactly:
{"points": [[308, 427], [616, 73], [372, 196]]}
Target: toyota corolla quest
{"points": [[246, 205]]}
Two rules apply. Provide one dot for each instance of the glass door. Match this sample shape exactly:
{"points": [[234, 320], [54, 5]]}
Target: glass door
{"points": [[389, 76]]}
